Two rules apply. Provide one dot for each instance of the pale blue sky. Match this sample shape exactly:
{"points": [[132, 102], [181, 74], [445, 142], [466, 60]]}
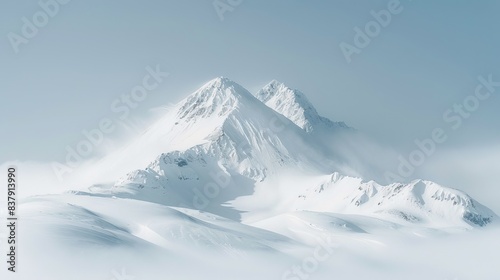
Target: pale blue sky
{"points": [[91, 52]]}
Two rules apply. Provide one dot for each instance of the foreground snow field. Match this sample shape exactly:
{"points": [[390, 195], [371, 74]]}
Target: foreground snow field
{"points": [[234, 186], [90, 237]]}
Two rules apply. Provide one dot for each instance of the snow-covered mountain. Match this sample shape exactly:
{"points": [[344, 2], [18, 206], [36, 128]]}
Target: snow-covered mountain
{"points": [[227, 152], [227, 182]]}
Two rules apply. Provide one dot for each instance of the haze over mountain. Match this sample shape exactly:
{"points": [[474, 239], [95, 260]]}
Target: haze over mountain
{"points": [[254, 145], [226, 174]]}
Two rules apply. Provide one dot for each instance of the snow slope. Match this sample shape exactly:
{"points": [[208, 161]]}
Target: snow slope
{"points": [[85, 236]]}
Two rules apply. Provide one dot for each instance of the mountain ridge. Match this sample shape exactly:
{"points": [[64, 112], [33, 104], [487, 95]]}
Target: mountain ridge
{"points": [[227, 131]]}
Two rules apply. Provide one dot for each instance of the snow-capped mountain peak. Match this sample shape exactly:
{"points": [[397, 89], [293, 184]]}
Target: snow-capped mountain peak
{"points": [[217, 97]]}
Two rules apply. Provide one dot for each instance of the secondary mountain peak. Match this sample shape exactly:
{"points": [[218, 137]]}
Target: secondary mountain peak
{"points": [[294, 105], [276, 89]]}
